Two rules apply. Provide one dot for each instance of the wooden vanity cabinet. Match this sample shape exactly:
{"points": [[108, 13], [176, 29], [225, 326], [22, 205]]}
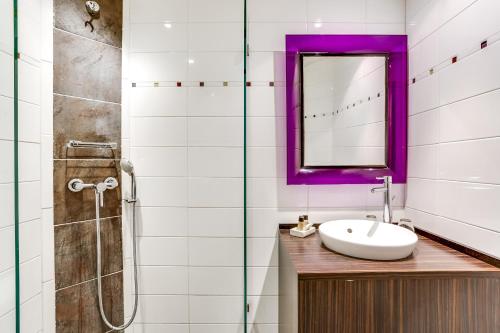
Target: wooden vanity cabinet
{"points": [[436, 290]]}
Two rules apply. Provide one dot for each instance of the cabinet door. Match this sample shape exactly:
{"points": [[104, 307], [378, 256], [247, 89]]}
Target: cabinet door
{"points": [[406, 305]]}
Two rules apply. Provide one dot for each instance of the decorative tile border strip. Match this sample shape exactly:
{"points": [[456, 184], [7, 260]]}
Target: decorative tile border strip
{"points": [[208, 84], [457, 57]]}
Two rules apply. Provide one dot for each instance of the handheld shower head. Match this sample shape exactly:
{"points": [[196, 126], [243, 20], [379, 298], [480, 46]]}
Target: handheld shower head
{"points": [[127, 166]]}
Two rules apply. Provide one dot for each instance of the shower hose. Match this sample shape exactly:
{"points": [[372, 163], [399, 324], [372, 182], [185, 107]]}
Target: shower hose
{"points": [[99, 273]]}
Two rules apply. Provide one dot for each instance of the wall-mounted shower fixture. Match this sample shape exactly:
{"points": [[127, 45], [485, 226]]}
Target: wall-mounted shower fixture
{"points": [[97, 145], [93, 9], [77, 185]]}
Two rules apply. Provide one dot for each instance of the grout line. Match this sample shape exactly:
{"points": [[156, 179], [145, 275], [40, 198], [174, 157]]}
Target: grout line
{"points": [[455, 181], [31, 298], [86, 99], [86, 221], [455, 102], [86, 281], [89, 39], [441, 25], [455, 141], [454, 220]]}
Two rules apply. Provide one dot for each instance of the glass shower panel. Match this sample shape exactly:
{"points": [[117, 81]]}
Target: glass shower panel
{"points": [[7, 167], [184, 92]]}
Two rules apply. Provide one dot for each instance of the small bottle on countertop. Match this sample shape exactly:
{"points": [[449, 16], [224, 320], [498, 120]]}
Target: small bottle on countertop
{"points": [[306, 222], [301, 224]]}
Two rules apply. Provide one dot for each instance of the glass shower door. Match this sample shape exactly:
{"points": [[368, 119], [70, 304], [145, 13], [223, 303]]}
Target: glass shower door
{"points": [[8, 243]]}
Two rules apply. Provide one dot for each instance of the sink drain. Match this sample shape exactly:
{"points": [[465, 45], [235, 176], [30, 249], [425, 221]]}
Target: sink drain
{"points": [[349, 230]]}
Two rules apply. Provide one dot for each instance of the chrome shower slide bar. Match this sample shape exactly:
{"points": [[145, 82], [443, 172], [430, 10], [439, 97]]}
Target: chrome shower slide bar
{"points": [[83, 144]]}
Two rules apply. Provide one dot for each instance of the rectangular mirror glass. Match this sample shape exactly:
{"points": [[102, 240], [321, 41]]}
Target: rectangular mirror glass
{"points": [[344, 110]]}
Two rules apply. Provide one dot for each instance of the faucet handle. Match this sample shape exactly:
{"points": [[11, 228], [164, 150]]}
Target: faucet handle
{"points": [[385, 178]]}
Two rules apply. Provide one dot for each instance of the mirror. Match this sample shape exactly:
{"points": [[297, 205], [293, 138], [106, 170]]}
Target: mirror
{"points": [[344, 110]]}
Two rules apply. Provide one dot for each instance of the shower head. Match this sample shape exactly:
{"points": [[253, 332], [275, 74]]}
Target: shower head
{"points": [[127, 166]]}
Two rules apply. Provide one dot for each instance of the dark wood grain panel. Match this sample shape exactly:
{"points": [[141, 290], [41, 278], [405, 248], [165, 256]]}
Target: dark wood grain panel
{"points": [[311, 260], [399, 305]]}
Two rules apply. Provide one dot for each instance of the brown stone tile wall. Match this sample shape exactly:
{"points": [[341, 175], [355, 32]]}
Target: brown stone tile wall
{"points": [[87, 107]]}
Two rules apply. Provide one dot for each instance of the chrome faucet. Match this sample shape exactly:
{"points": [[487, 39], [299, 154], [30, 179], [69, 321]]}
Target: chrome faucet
{"points": [[387, 215]]}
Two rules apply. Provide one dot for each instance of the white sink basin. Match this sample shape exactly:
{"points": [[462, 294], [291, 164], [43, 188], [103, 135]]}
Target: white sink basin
{"points": [[368, 239]]}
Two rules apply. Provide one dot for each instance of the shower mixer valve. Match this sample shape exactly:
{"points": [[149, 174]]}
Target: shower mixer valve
{"points": [[77, 185]]}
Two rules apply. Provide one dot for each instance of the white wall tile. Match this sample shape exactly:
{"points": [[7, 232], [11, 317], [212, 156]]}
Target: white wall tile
{"points": [[7, 28], [30, 242], [158, 37], [474, 161], [46, 172], [422, 195], [49, 306], [158, 66], [162, 221], [47, 233], [7, 169], [159, 161], [273, 192], [262, 252], [215, 131], [266, 162], [158, 10], [30, 283], [215, 161], [8, 289], [215, 101], [335, 11], [423, 94], [162, 251], [7, 247], [215, 37], [163, 280], [215, 66], [6, 118], [462, 233], [423, 162], [271, 36], [473, 118], [31, 314], [29, 161], [216, 280], [7, 68], [215, 192], [158, 131], [6, 205], [162, 191], [277, 11], [29, 82], [29, 122], [473, 203], [215, 11], [30, 201], [160, 328], [263, 281], [423, 128], [163, 309], [266, 131], [215, 309], [263, 309], [386, 11], [216, 252], [158, 101], [216, 222], [481, 74]]}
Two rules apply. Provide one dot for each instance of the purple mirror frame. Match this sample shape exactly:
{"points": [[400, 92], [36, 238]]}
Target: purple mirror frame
{"points": [[395, 47]]}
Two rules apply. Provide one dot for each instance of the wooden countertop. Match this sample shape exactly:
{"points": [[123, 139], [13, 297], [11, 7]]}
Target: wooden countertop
{"points": [[312, 259]]}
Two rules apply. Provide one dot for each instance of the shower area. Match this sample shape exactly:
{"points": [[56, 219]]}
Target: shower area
{"points": [[143, 160]]}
